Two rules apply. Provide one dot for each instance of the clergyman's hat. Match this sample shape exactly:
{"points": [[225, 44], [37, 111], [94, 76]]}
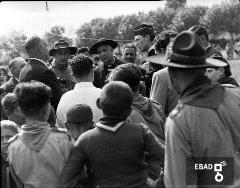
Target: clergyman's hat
{"points": [[101, 42]]}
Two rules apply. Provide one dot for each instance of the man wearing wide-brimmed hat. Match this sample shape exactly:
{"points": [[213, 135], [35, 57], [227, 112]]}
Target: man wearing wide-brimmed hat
{"points": [[205, 123], [61, 53], [104, 48]]}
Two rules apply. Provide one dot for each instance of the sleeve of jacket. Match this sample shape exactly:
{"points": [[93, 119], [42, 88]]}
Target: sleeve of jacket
{"points": [[155, 151], [74, 166], [178, 152], [159, 90], [50, 79]]}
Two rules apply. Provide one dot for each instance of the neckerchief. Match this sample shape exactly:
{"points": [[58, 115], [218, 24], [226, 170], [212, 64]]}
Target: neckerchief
{"points": [[112, 120], [35, 134]]}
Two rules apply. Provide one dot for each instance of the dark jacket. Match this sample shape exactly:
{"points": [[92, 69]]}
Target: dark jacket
{"points": [[9, 86], [36, 69], [102, 71], [116, 152]]}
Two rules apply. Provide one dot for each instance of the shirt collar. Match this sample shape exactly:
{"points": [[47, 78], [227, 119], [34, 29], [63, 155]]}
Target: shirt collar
{"points": [[83, 84]]}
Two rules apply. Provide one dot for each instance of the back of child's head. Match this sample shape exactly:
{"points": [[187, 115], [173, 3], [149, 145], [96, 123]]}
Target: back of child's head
{"points": [[32, 96], [128, 73], [9, 102], [116, 99], [79, 114], [79, 120]]}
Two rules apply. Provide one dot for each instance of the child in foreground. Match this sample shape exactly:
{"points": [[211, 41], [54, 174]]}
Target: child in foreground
{"points": [[115, 147]]}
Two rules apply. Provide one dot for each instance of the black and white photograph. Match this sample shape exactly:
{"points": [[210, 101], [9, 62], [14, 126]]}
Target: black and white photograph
{"points": [[120, 94]]}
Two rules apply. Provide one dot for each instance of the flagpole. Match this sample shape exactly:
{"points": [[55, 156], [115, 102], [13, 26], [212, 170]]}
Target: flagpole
{"points": [[47, 10]]}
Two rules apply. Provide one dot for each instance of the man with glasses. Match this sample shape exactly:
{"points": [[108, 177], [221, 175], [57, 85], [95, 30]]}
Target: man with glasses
{"points": [[61, 53]]}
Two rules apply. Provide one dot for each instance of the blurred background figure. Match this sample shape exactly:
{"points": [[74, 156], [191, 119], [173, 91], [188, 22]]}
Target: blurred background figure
{"points": [[11, 110], [129, 53], [203, 35], [8, 130], [229, 50], [4, 76], [221, 75], [15, 67]]}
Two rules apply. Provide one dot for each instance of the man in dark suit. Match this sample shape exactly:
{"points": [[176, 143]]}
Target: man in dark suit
{"points": [[36, 68], [104, 48]]}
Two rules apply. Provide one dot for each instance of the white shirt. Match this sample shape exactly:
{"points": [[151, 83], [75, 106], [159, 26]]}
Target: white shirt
{"points": [[83, 93]]}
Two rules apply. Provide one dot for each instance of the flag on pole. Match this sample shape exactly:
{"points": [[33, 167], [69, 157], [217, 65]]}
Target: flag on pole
{"points": [[47, 9]]}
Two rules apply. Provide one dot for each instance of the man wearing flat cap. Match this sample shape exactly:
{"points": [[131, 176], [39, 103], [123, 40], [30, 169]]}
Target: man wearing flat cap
{"points": [[104, 48], [61, 53], [205, 126]]}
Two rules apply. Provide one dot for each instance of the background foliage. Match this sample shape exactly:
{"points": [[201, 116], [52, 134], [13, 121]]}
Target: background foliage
{"points": [[220, 20]]}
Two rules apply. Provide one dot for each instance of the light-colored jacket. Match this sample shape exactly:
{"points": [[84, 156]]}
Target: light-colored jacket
{"points": [[37, 157], [162, 91], [205, 125]]}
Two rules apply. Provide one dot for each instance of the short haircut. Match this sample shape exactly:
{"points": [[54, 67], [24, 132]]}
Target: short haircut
{"points": [[32, 42], [129, 45], [199, 30], [16, 60], [7, 124], [9, 102], [144, 30], [32, 96], [128, 73], [81, 65], [116, 98], [162, 40], [82, 50]]}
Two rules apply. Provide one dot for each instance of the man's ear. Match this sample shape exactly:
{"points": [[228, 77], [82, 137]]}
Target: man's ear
{"points": [[99, 103]]}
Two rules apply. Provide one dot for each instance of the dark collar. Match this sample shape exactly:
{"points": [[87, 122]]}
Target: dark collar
{"points": [[203, 94], [115, 63]]}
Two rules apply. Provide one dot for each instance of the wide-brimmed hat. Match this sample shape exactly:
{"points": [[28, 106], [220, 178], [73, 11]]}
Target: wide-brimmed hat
{"points": [[101, 42], [187, 52], [62, 44]]}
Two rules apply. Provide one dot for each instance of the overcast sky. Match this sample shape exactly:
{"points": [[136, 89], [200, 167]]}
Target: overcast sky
{"points": [[31, 16]]}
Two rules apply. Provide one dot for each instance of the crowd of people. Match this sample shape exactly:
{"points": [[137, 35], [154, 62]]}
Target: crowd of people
{"points": [[86, 118]]}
